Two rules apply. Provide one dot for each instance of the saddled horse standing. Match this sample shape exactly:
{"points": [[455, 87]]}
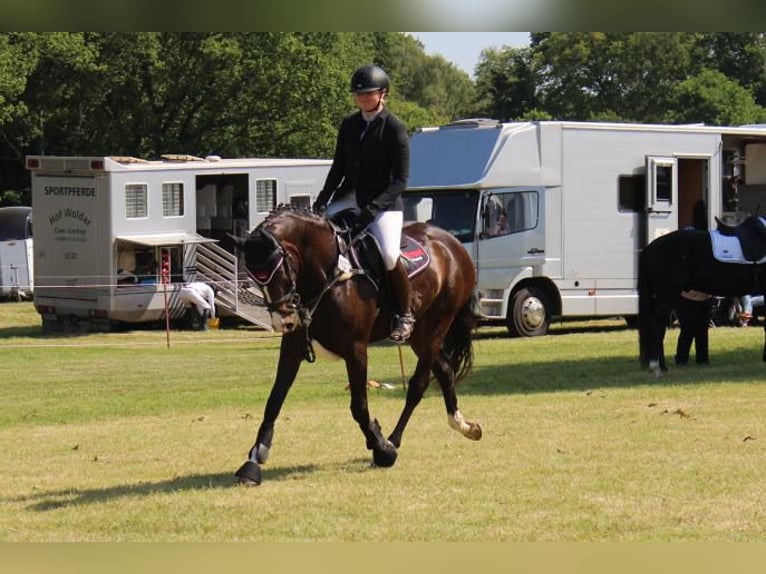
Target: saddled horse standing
{"points": [[294, 255], [728, 262]]}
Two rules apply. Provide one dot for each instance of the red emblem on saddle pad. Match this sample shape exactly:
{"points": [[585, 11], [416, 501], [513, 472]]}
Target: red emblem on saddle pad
{"points": [[415, 256]]}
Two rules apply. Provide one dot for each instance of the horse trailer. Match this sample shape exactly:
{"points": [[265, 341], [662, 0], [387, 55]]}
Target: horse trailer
{"points": [[577, 202], [16, 260], [117, 237]]}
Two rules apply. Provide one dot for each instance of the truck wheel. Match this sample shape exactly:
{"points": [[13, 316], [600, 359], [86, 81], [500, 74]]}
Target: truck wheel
{"points": [[529, 315]]}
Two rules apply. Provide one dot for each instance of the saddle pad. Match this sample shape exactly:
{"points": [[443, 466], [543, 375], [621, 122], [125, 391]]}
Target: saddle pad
{"points": [[414, 255], [727, 249]]}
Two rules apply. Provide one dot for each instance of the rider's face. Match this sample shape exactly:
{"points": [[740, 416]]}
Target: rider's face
{"points": [[369, 101]]}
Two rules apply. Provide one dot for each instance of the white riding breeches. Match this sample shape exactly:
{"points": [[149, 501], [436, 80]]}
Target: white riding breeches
{"points": [[386, 228]]}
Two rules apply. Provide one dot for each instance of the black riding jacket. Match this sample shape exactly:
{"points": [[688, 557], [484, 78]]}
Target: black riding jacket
{"points": [[376, 166]]}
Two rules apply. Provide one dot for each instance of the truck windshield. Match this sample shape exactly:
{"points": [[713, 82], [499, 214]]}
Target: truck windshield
{"points": [[454, 211]]}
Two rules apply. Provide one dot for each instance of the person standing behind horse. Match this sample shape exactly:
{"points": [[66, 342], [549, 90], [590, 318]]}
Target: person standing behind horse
{"points": [[693, 310], [368, 175]]}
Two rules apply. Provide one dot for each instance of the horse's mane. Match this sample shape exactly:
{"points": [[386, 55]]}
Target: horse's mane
{"points": [[299, 212]]}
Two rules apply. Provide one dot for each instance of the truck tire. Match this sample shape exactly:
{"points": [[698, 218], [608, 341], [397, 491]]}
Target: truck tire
{"points": [[529, 314]]}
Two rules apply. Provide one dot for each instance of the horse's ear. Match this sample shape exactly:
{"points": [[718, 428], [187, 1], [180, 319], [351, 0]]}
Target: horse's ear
{"points": [[239, 242]]}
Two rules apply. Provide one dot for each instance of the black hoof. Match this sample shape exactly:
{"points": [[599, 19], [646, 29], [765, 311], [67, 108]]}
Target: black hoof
{"points": [[386, 457], [249, 474]]}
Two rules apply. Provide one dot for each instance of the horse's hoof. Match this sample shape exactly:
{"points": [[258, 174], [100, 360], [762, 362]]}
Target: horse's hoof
{"points": [[474, 432], [385, 457], [249, 474]]}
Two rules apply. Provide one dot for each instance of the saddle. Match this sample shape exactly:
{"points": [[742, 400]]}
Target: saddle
{"points": [[751, 234], [362, 251]]}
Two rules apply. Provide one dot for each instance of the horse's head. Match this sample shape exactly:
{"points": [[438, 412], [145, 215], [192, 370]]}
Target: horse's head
{"points": [[274, 256]]}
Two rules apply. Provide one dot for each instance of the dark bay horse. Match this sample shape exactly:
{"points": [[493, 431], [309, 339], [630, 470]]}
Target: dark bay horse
{"points": [[294, 256], [680, 261]]}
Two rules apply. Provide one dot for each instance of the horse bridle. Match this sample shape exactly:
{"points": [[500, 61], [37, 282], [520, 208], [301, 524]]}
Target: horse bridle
{"points": [[291, 296]]}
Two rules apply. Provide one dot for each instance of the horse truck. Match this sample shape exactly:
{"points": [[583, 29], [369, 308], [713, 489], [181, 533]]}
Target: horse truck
{"points": [[577, 202], [16, 269], [116, 238]]}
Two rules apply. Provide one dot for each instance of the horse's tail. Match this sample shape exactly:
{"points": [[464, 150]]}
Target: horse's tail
{"points": [[458, 343]]}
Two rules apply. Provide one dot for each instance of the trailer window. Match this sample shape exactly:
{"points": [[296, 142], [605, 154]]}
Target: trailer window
{"points": [[631, 193], [135, 200], [265, 195], [301, 201], [172, 199]]}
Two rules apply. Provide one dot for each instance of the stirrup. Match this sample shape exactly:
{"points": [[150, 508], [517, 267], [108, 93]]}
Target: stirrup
{"points": [[403, 328]]}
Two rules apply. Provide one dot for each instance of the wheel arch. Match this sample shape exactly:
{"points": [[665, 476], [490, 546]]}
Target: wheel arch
{"points": [[545, 285]]}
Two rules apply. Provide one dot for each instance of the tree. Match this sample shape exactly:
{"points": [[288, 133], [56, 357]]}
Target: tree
{"points": [[584, 75], [506, 80], [714, 99]]}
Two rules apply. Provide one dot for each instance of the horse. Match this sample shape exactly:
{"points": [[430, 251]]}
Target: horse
{"points": [[684, 261], [296, 256]]}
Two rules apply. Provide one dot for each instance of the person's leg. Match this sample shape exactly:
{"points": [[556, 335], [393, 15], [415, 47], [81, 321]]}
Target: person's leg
{"points": [[387, 229], [747, 310]]}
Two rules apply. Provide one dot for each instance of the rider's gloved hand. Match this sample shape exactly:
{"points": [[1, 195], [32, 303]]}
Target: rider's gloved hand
{"points": [[366, 217]]}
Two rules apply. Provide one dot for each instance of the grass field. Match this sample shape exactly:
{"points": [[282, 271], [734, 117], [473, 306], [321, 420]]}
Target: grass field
{"points": [[116, 437]]}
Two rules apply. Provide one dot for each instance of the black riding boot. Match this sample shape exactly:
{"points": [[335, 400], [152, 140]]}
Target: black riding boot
{"points": [[400, 289]]}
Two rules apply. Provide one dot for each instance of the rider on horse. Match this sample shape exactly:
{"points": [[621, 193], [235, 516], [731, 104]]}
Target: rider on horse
{"points": [[368, 175]]}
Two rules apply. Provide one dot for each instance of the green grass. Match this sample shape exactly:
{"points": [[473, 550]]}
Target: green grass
{"points": [[116, 437]]}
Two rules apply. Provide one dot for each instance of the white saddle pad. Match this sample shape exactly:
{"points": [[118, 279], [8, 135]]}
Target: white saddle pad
{"points": [[727, 249]]}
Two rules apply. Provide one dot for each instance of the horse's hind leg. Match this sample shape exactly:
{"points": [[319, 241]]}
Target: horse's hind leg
{"points": [[446, 377]]}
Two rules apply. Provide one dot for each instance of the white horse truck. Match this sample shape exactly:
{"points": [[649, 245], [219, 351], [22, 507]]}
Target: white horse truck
{"points": [[16, 259], [579, 201], [117, 236]]}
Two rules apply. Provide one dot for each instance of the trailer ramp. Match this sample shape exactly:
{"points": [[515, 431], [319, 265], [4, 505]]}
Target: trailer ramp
{"points": [[237, 295]]}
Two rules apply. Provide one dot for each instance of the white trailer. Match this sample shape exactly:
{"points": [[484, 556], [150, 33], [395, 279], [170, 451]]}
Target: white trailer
{"points": [[581, 199], [107, 226], [16, 261]]}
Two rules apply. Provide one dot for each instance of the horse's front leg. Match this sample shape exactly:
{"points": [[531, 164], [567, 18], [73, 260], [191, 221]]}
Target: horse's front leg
{"points": [[657, 328], [416, 387], [383, 451], [292, 352]]}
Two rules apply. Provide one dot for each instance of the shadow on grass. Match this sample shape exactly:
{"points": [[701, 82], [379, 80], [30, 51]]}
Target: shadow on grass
{"points": [[588, 374], [537, 376], [71, 497]]}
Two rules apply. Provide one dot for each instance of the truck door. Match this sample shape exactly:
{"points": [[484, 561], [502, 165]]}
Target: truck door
{"points": [[661, 211], [511, 242]]}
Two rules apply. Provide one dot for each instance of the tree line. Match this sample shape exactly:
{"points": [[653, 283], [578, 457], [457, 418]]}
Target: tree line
{"points": [[283, 94]]}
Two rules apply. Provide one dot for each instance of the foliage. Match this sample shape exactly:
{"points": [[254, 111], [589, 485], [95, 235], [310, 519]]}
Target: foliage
{"points": [[283, 94], [717, 99], [638, 76], [266, 94]]}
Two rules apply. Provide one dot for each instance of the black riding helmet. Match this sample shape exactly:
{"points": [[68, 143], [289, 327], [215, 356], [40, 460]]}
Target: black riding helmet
{"points": [[369, 78]]}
